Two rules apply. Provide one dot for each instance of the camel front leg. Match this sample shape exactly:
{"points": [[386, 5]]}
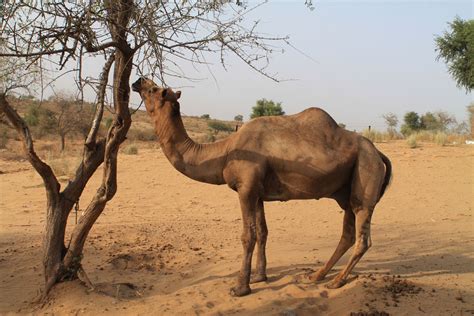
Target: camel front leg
{"points": [[262, 233], [248, 203]]}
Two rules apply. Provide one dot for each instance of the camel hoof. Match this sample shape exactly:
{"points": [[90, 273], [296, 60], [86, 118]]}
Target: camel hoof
{"points": [[258, 278], [335, 284], [317, 276], [239, 291]]}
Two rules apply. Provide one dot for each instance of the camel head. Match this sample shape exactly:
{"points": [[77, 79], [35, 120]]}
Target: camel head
{"points": [[159, 102]]}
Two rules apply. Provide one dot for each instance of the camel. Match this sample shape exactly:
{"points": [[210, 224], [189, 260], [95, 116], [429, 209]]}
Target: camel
{"points": [[279, 158]]}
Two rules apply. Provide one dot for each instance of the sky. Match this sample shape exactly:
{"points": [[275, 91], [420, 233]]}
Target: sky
{"points": [[360, 59]]}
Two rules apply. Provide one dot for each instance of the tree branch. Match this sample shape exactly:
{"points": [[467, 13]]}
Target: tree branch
{"points": [[104, 77], [51, 183]]}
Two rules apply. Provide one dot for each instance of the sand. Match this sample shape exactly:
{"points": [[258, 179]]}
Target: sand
{"points": [[167, 245]]}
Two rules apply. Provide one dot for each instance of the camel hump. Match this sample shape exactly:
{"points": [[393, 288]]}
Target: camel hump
{"points": [[317, 116]]}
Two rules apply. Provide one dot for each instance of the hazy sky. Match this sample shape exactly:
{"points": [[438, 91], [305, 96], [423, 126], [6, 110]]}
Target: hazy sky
{"points": [[367, 58]]}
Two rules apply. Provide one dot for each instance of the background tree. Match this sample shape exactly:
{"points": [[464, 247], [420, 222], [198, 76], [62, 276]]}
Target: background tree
{"points": [[205, 116], [67, 119], [342, 125], [428, 121], [470, 110], [456, 48], [155, 38], [239, 118], [391, 120], [266, 107], [412, 123]]}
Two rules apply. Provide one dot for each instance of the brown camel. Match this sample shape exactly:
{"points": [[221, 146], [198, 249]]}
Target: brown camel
{"points": [[279, 158]]}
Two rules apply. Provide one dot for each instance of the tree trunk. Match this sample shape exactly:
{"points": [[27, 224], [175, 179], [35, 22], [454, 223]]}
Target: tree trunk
{"points": [[53, 242]]}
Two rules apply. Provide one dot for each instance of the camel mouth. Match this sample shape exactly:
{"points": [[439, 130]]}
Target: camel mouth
{"points": [[137, 85]]}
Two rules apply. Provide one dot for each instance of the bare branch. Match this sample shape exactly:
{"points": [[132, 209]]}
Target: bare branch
{"points": [[45, 171], [104, 77]]}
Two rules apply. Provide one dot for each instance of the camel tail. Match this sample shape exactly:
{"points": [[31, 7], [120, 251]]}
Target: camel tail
{"points": [[388, 174]]}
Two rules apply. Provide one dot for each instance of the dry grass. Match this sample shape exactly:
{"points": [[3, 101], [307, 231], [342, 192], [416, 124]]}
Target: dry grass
{"points": [[441, 139], [62, 165], [376, 136], [411, 141], [130, 150]]}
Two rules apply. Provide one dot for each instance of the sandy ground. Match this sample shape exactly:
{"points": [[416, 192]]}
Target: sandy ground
{"points": [[174, 244]]}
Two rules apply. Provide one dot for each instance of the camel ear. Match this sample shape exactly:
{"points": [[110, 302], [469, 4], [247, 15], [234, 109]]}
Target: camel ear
{"points": [[178, 94], [164, 93]]}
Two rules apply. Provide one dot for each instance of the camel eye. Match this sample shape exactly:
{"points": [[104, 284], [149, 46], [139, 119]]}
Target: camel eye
{"points": [[155, 89]]}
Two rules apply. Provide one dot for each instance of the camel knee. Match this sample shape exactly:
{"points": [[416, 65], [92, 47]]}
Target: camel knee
{"points": [[262, 234], [362, 245], [248, 239], [349, 239]]}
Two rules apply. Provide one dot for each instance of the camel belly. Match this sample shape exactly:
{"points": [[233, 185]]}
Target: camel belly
{"points": [[294, 186]]}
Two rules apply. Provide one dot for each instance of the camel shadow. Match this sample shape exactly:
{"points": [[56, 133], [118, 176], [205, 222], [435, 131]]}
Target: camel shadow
{"points": [[424, 264]]}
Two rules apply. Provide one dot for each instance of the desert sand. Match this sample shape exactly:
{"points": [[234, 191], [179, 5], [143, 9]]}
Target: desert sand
{"points": [[167, 245]]}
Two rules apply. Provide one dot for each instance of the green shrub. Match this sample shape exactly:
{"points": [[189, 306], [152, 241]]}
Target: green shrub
{"points": [[218, 126]]}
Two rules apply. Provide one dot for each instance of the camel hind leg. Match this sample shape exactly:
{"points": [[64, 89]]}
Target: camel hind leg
{"points": [[365, 191], [346, 242], [362, 244]]}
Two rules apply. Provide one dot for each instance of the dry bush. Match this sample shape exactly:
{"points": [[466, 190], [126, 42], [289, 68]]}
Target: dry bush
{"points": [[130, 150], [375, 136], [62, 165], [411, 141], [3, 136], [441, 139], [143, 134], [456, 139], [424, 136]]}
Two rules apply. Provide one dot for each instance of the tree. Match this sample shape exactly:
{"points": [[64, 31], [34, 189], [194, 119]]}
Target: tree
{"points": [[41, 119], [342, 125], [412, 123], [391, 120], [438, 121], [428, 121], [445, 120], [470, 110], [239, 118], [155, 37], [456, 48], [266, 107], [205, 116], [68, 117]]}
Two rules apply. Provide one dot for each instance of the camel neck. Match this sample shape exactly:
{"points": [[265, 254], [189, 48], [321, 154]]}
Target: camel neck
{"points": [[201, 162]]}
